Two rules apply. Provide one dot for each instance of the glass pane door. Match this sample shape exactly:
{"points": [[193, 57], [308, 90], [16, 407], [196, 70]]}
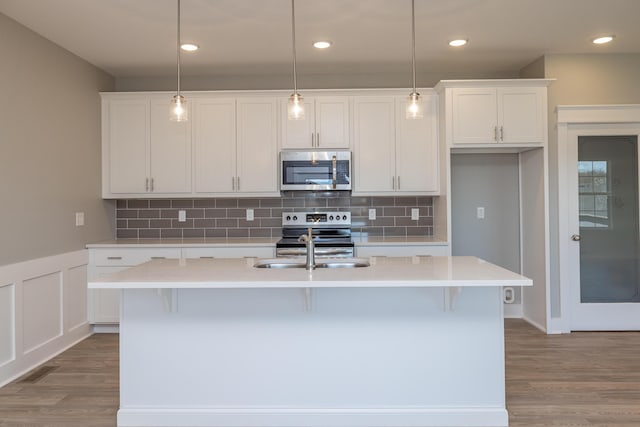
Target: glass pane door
{"points": [[608, 218]]}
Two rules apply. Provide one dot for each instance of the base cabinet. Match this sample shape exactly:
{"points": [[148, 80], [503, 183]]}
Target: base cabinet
{"points": [[104, 304]]}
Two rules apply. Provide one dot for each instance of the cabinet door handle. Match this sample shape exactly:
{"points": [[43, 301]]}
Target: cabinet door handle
{"points": [[318, 139], [207, 257], [233, 183], [151, 184], [502, 133], [495, 133], [393, 182], [146, 184], [398, 182], [334, 169], [238, 181], [158, 257], [313, 139], [575, 237], [114, 257]]}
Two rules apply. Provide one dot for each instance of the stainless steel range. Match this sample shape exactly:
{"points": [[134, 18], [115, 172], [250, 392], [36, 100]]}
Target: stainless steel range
{"points": [[331, 234]]}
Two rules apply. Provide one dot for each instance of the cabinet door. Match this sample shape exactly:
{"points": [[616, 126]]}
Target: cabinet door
{"points": [[105, 303], [298, 133], [417, 149], [520, 115], [474, 116], [257, 145], [374, 145], [170, 151], [332, 122], [214, 144], [128, 142]]}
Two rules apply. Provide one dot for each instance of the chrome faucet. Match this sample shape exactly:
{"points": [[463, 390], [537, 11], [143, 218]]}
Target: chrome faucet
{"points": [[311, 249]]}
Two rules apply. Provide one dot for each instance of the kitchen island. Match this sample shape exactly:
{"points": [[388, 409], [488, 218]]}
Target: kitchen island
{"points": [[415, 341]]}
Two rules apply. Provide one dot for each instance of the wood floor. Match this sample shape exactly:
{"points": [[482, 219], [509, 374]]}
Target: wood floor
{"points": [[581, 379]]}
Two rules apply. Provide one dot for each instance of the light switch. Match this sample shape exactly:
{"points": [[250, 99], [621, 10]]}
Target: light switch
{"points": [[480, 213], [415, 214], [249, 214], [182, 215], [79, 219], [372, 214]]}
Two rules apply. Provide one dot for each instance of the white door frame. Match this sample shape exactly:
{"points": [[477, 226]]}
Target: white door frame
{"points": [[603, 117]]}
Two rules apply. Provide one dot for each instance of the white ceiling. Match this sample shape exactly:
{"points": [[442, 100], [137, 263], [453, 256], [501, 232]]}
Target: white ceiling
{"points": [[137, 37]]}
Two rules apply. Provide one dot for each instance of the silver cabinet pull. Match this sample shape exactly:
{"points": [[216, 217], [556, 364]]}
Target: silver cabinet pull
{"points": [[114, 257], [146, 184], [334, 165], [238, 183], [393, 182], [495, 133], [313, 139], [575, 237], [233, 183], [398, 182], [158, 257], [207, 257], [152, 180], [318, 139], [502, 133]]}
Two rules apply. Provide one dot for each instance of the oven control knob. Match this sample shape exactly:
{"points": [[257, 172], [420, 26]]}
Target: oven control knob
{"points": [[344, 218], [331, 218], [288, 217], [295, 218]]}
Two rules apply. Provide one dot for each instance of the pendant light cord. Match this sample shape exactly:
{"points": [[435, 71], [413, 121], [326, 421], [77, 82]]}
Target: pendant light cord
{"points": [[413, 43], [178, 47], [293, 44]]}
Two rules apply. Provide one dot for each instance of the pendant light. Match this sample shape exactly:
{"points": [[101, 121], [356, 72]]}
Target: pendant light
{"points": [[295, 106], [179, 111], [414, 104]]}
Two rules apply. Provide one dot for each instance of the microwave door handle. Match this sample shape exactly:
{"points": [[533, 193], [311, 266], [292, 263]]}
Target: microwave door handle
{"points": [[334, 162]]}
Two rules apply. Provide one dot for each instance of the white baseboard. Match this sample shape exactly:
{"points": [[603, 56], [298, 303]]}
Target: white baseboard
{"points": [[513, 311], [106, 328]]}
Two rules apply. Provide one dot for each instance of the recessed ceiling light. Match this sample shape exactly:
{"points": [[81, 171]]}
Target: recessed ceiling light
{"points": [[189, 47], [458, 43], [603, 40], [322, 44]]}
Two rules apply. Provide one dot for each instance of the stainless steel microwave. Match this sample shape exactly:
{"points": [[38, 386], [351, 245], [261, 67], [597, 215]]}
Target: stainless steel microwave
{"points": [[315, 170]]}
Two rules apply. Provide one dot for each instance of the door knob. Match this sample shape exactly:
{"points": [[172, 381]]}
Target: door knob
{"points": [[575, 237]]}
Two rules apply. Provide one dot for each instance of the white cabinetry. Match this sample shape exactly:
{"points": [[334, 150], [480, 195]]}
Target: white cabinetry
{"points": [[257, 147], [143, 151], [393, 154], [326, 124], [497, 115], [104, 304], [401, 250]]}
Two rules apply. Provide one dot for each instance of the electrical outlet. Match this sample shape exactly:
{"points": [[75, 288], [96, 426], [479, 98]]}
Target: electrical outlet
{"points": [[480, 213], [249, 214], [372, 214], [79, 219], [182, 215], [415, 214]]}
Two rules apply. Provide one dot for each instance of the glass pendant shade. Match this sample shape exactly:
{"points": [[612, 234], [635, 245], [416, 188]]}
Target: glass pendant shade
{"points": [[414, 106], [295, 107], [179, 111]]}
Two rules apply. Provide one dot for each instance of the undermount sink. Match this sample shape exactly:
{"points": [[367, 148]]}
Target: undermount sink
{"points": [[323, 263]]}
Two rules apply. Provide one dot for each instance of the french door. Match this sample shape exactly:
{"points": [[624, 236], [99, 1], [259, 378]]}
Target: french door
{"points": [[604, 217]]}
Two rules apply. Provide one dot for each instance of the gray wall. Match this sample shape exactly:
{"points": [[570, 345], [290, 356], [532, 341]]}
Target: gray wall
{"points": [[580, 80], [490, 181], [49, 148]]}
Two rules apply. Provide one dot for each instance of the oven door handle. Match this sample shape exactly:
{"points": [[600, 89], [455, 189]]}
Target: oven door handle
{"points": [[334, 164]]}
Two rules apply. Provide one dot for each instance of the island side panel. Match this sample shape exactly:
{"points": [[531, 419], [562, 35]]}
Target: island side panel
{"points": [[356, 357]]}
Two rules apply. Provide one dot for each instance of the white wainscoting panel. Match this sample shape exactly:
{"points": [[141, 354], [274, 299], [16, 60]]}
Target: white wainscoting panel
{"points": [[7, 323], [75, 298], [43, 310]]}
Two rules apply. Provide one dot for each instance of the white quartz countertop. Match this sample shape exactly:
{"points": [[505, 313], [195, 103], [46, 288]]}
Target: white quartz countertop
{"points": [[240, 273]]}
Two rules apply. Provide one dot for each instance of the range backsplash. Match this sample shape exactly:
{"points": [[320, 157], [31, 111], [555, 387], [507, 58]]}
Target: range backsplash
{"points": [[226, 217]]}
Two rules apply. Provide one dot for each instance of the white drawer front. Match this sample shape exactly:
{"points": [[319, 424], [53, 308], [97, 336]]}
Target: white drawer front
{"points": [[229, 252], [133, 256]]}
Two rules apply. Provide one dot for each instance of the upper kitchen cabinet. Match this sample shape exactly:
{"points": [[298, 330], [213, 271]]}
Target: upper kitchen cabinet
{"points": [[486, 113], [235, 146], [393, 154], [143, 152], [326, 124]]}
